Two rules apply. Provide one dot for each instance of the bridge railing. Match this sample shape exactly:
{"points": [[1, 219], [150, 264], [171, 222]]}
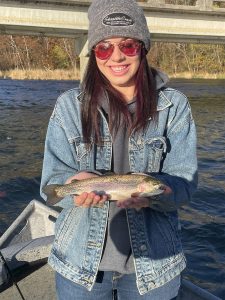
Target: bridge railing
{"points": [[201, 5], [211, 4]]}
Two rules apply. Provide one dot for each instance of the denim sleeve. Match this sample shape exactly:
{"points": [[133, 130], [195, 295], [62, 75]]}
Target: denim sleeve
{"points": [[59, 162], [179, 167]]}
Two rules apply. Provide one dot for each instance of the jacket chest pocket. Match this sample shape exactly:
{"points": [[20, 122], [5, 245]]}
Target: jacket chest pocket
{"points": [[154, 149], [83, 153]]}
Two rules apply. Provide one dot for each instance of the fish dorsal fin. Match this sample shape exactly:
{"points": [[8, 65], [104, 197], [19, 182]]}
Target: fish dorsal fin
{"points": [[137, 173], [109, 173], [74, 180]]}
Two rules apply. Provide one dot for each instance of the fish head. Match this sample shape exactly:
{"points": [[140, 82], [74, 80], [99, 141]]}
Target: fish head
{"points": [[150, 187]]}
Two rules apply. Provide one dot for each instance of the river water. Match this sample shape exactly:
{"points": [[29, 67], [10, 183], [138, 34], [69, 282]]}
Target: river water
{"points": [[25, 107]]}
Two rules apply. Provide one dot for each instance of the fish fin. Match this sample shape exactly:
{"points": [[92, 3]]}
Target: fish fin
{"points": [[51, 194], [138, 209], [108, 173], [99, 205], [138, 173], [74, 180], [155, 193], [136, 194], [146, 195]]}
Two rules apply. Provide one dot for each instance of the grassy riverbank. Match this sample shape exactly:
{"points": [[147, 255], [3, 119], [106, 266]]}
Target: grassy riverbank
{"points": [[38, 74], [72, 74], [189, 75]]}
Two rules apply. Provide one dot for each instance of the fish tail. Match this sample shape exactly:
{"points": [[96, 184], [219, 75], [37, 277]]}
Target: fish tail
{"points": [[50, 192]]}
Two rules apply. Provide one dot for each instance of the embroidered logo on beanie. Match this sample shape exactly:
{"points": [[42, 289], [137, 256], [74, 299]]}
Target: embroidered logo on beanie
{"points": [[118, 19]]}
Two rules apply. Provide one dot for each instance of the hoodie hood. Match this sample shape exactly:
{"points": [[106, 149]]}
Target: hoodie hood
{"points": [[161, 79]]}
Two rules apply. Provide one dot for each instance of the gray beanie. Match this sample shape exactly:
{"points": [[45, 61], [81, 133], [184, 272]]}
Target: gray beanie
{"points": [[108, 18]]}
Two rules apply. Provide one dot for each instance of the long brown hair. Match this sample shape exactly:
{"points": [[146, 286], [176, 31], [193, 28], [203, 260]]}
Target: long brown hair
{"points": [[94, 83]]}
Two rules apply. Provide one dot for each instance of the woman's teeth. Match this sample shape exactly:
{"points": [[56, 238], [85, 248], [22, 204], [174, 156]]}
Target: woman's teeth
{"points": [[118, 69]]}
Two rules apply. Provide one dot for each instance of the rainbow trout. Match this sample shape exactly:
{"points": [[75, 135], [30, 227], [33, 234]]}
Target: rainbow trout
{"points": [[118, 187]]}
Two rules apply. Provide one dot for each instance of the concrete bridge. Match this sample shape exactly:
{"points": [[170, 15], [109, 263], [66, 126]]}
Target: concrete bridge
{"points": [[203, 22]]}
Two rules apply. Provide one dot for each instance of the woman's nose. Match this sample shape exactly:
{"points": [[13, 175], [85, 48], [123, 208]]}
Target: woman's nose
{"points": [[117, 54]]}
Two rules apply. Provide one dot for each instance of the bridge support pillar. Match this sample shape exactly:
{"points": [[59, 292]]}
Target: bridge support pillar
{"points": [[81, 48]]}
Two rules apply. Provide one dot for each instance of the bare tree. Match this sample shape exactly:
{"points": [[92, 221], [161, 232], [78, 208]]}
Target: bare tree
{"points": [[16, 54]]}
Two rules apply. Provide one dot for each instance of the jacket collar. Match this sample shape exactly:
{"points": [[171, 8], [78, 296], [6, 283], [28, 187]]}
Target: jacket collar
{"points": [[163, 101], [80, 96]]}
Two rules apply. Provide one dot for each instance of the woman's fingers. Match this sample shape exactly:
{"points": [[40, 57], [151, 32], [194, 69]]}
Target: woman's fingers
{"points": [[91, 199], [80, 200]]}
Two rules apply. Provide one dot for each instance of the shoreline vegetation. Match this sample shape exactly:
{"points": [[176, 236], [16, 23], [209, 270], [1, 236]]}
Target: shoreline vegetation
{"points": [[48, 58], [74, 74]]}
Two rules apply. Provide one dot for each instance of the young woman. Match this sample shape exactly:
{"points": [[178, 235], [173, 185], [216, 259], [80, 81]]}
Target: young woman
{"points": [[122, 119]]}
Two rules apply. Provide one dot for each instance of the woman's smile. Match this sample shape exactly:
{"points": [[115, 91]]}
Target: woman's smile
{"points": [[119, 70]]}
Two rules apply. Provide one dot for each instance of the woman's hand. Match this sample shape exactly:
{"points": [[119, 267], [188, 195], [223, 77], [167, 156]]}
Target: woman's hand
{"points": [[138, 202], [87, 199]]}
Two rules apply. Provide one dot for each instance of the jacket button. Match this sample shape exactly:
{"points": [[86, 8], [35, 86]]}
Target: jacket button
{"points": [[151, 284], [139, 141], [143, 247]]}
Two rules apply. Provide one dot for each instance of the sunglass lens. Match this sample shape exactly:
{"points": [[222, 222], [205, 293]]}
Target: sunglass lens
{"points": [[130, 48], [104, 50]]}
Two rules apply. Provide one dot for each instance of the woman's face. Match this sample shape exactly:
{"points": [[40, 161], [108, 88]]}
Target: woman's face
{"points": [[119, 68]]}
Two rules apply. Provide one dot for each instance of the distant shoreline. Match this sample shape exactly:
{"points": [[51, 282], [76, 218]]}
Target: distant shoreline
{"points": [[61, 74], [38, 74]]}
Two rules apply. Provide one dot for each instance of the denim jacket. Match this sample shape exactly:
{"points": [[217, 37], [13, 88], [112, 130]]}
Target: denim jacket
{"points": [[166, 148]]}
